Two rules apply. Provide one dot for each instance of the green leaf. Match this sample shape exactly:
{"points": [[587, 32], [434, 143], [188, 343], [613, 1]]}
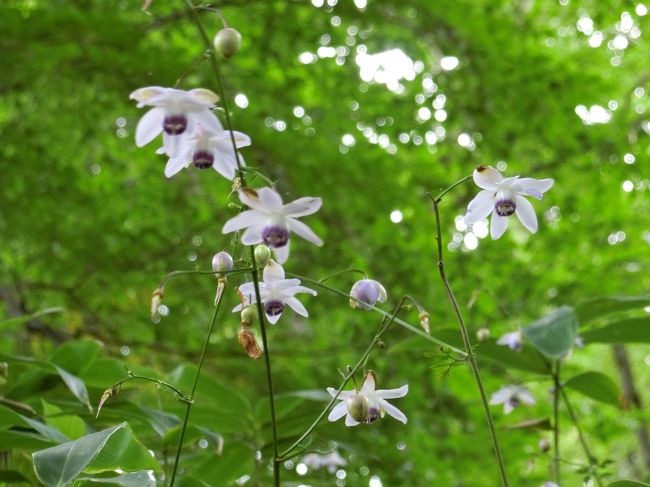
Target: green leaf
{"points": [[70, 425], [77, 355], [595, 308], [595, 385], [125, 452], [19, 320], [554, 334], [135, 479], [60, 465], [632, 330], [627, 483], [76, 386], [12, 477]]}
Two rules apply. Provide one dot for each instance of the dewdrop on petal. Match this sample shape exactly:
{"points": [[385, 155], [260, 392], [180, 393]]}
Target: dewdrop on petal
{"points": [[262, 255], [227, 42]]}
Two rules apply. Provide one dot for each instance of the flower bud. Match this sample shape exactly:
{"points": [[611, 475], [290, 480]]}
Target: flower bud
{"points": [[262, 255], [424, 321], [248, 341], [544, 445], [482, 334], [222, 262], [248, 315], [358, 408], [227, 42], [366, 293], [156, 299]]}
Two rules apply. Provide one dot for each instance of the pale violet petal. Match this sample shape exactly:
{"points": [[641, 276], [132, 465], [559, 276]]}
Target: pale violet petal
{"points": [[270, 199], [526, 397], [392, 410], [173, 144], [338, 411], [204, 96], [149, 126], [251, 198], [225, 164], [383, 296], [342, 395], [208, 119], [368, 385], [350, 421], [238, 308], [281, 253], [498, 226], [302, 207], [502, 395], [526, 213], [487, 177], [508, 407], [176, 164], [241, 139], [297, 306], [303, 289], [480, 207], [302, 230], [534, 187], [252, 235], [245, 219], [144, 95], [392, 393], [273, 271], [273, 319]]}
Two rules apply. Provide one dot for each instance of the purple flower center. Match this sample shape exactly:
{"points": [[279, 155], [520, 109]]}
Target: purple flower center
{"points": [[505, 207], [175, 124], [203, 159], [275, 236], [373, 414], [514, 401], [273, 307]]}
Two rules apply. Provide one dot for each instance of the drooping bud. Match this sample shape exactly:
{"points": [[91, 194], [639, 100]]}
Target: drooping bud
{"points": [[544, 445], [366, 293], [482, 334], [248, 315], [248, 341], [262, 255], [358, 408], [222, 262], [227, 42], [424, 321], [156, 299]]}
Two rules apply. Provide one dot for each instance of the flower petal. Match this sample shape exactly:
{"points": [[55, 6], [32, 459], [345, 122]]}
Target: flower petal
{"points": [[270, 199], [392, 410], [303, 289], [297, 306], [534, 187], [143, 95], [350, 421], [244, 219], [149, 126], [176, 164], [392, 393], [251, 198], [486, 177], [253, 234], [508, 407], [480, 207], [383, 296], [498, 226], [204, 96], [368, 383], [273, 319], [273, 272], [526, 397], [302, 230], [342, 395], [526, 213], [225, 163], [281, 253], [502, 395], [338, 411], [302, 207], [207, 119]]}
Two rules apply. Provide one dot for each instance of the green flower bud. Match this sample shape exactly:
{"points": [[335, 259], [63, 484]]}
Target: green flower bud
{"points": [[358, 408], [482, 334], [227, 42], [262, 255], [248, 315]]}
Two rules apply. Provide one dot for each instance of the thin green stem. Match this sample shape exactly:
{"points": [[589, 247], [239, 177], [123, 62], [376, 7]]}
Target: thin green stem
{"points": [[174, 274], [269, 377], [438, 198], [471, 359], [339, 273], [383, 326], [585, 447], [196, 381], [399, 321], [556, 421], [132, 376]]}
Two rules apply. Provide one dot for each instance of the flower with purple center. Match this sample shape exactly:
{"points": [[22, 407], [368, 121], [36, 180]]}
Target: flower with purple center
{"points": [[503, 197], [512, 397], [206, 149], [365, 293], [512, 340], [366, 405], [275, 293], [176, 114], [270, 221]]}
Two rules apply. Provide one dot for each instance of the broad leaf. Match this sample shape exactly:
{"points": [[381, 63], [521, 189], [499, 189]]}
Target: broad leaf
{"points": [[555, 333], [135, 479], [628, 483], [595, 385], [598, 307], [125, 452], [632, 330], [19, 320]]}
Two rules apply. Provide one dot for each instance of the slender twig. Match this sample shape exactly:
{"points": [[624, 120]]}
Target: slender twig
{"points": [[196, 381], [132, 376], [556, 421], [174, 274], [345, 271], [383, 326], [593, 464], [438, 198], [269, 378], [471, 359]]}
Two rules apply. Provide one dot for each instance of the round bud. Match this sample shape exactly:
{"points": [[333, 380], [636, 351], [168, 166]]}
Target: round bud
{"points": [[544, 445], [358, 408], [248, 315], [262, 255], [482, 334], [227, 42], [222, 262]]}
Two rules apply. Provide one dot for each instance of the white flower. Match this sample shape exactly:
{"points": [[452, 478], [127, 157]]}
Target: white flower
{"points": [[512, 340], [366, 293], [275, 292], [206, 149], [511, 397], [504, 196], [270, 221], [550, 484], [331, 461], [175, 113], [368, 404]]}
